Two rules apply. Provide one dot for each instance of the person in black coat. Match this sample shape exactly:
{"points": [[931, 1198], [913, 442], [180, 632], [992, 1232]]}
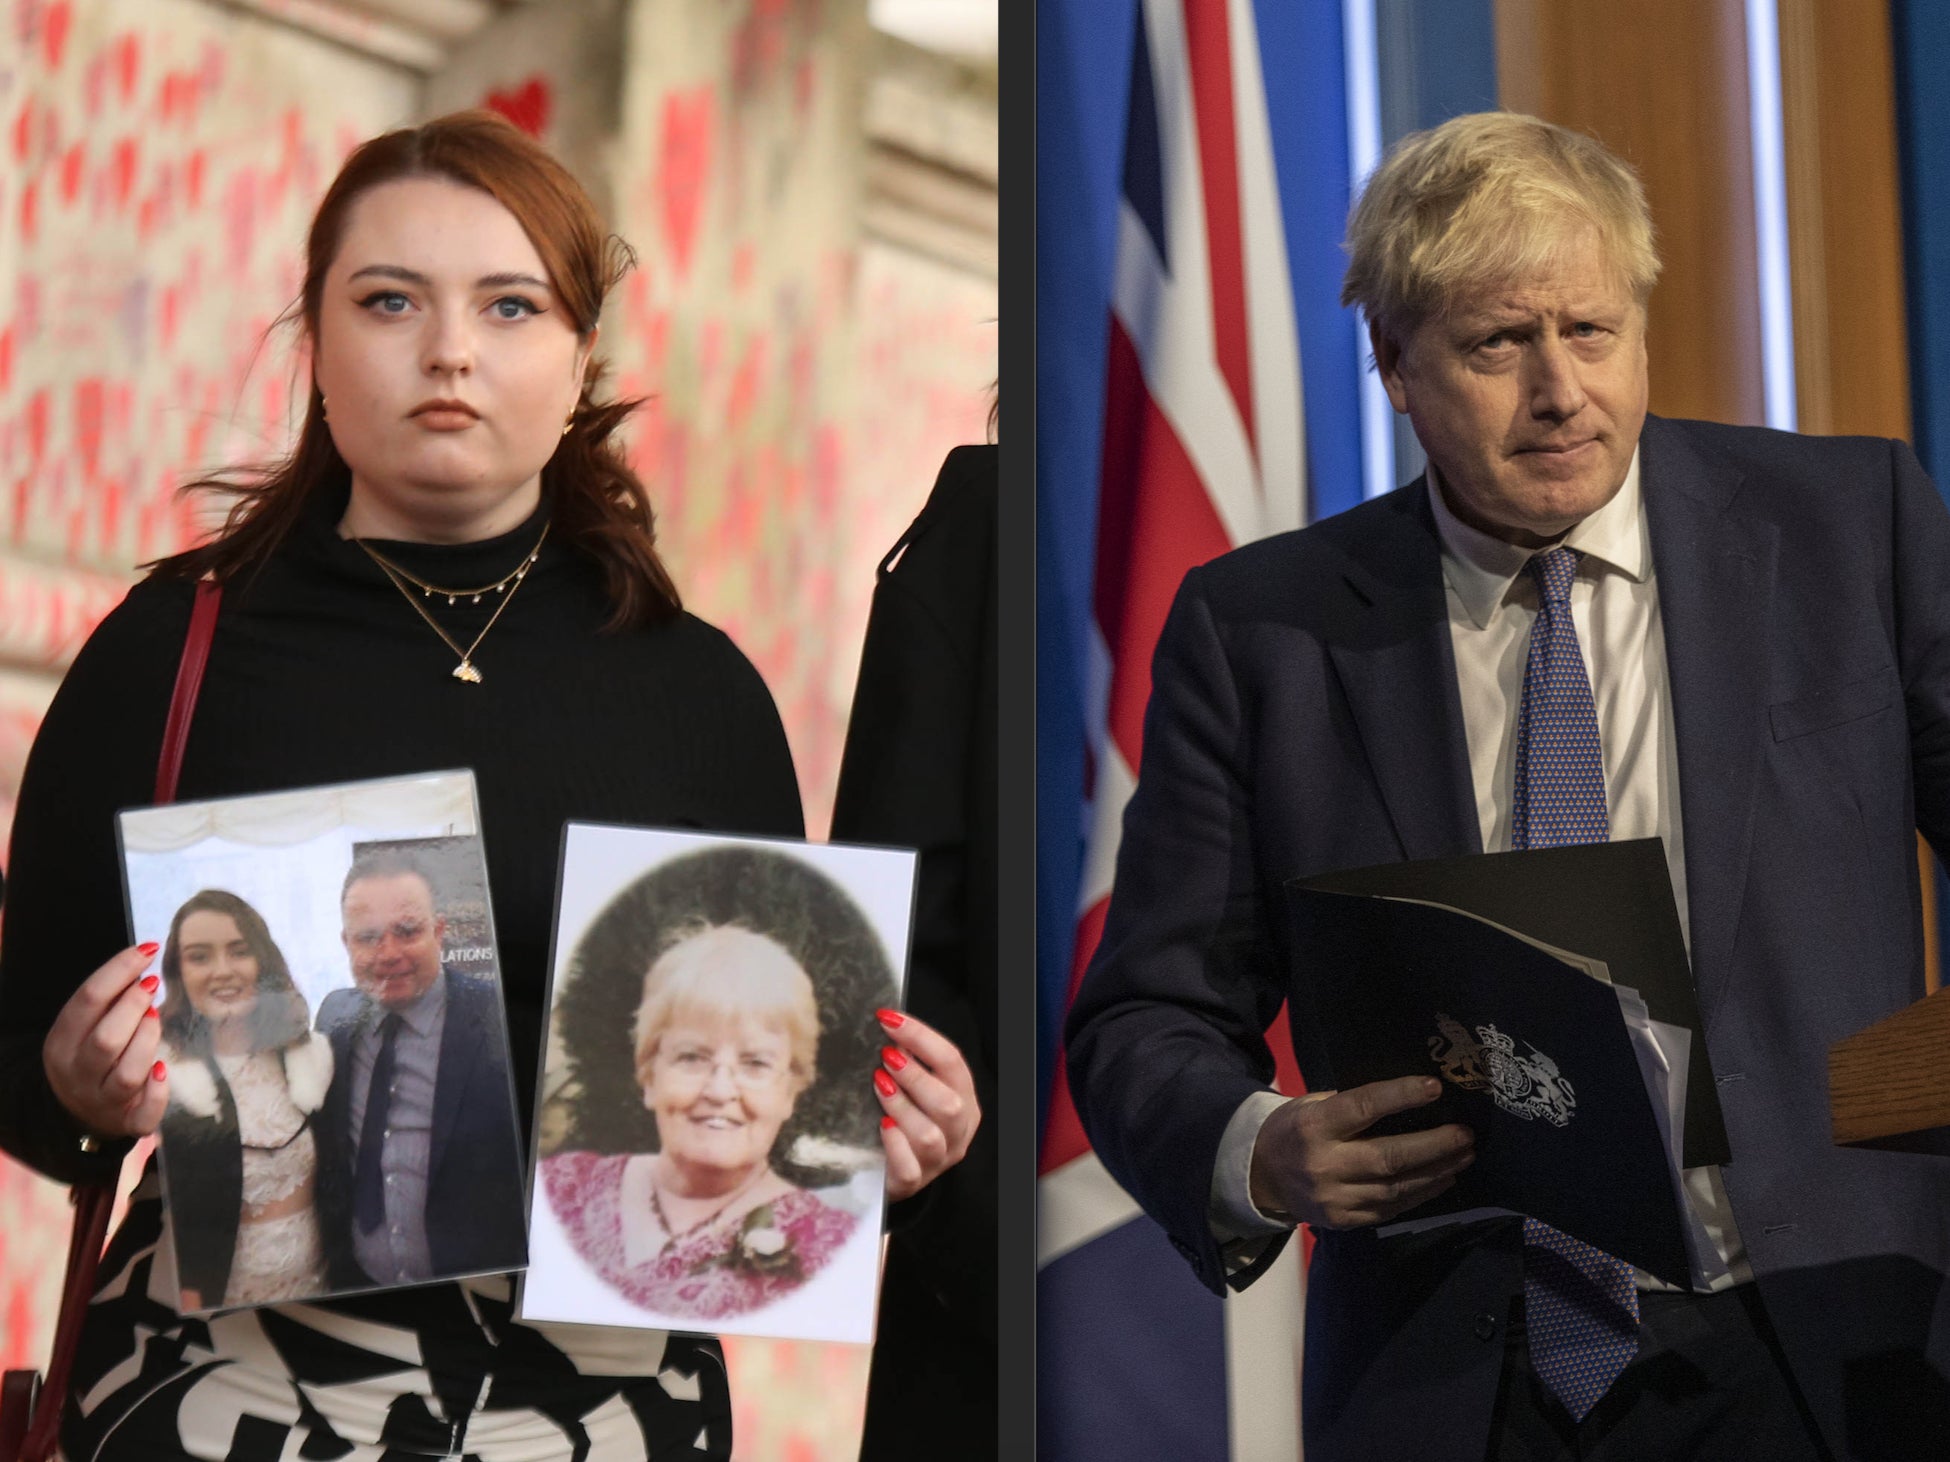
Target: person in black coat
{"points": [[919, 771]]}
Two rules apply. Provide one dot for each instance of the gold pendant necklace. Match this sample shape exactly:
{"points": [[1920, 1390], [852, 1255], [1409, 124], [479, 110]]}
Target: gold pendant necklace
{"points": [[399, 578]]}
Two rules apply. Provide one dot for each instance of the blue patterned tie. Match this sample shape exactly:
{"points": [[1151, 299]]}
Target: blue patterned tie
{"points": [[1580, 1304]]}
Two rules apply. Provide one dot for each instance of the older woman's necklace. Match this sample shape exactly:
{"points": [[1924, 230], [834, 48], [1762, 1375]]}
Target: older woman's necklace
{"points": [[672, 1234], [505, 586]]}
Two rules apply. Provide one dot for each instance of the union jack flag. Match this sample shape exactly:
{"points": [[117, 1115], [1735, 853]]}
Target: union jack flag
{"points": [[1204, 445]]}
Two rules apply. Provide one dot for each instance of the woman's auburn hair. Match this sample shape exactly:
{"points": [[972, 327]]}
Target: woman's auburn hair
{"points": [[596, 501], [279, 1016]]}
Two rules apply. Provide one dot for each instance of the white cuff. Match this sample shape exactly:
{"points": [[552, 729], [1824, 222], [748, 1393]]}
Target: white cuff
{"points": [[1231, 1211]]}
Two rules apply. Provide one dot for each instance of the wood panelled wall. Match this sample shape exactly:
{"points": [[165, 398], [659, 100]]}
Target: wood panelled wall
{"points": [[1838, 103], [1663, 83]]}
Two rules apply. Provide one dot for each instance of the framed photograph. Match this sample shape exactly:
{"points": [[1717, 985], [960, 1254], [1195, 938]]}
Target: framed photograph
{"points": [[341, 1104], [708, 1143]]}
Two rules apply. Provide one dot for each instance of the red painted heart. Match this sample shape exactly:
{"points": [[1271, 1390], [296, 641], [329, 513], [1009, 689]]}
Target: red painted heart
{"points": [[684, 167], [527, 106], [55, 23]]}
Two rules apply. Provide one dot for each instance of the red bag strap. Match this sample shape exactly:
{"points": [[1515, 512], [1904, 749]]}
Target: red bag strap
{"points": [[94, 1202], [189, 680]]}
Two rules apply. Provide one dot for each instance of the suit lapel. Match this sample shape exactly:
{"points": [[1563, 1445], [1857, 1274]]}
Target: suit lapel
{"points": [[1715, 562], [1397, 667], [457, 1037], [335, 1119]]}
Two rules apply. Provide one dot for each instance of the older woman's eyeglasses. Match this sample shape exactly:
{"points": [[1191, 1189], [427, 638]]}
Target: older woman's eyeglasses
{"points": [[689, 1065]]}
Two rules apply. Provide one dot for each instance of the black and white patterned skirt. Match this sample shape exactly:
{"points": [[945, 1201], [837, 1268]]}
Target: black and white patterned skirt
{"points": [[439, 1371]]}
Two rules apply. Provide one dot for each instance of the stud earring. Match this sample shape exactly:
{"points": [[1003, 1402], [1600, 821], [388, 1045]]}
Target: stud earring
{"points": [[323, 414], [570, 425]]}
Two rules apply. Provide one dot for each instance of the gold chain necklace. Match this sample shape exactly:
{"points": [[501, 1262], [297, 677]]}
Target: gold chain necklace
{"points": [[399, 578], [427, 591]]}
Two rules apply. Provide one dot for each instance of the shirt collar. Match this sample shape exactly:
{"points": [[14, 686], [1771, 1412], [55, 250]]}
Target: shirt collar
{"points": [[419, 1015], [1481, 569]]}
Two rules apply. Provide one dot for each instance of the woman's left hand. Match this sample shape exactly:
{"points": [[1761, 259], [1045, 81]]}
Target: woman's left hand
{"points": [[929, 1097]]}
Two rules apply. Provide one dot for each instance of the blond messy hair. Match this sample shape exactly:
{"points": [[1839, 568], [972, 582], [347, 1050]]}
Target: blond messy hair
{"points": [[719, 974], [1482, 200]]}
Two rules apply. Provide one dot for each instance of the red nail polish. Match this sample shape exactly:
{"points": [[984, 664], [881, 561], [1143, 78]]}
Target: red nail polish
{"points": [[158, 1071], [886, 1122], [892, 1019], [883, 1083], [894, 1056], [148, 950], [151, 1013], [150, 982]]}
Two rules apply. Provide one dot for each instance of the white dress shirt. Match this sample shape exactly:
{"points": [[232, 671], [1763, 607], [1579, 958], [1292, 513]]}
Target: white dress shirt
{"points": [[1492, 605]]}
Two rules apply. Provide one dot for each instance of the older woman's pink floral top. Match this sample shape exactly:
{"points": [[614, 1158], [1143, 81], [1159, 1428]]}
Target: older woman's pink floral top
{"points": [[724, 1268]]}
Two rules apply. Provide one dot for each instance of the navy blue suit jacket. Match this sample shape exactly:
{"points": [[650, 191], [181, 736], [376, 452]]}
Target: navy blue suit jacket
{"points": [[1304, 717], [476, 1203]]}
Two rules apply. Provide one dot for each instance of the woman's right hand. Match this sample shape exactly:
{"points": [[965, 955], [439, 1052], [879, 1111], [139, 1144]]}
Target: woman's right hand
{"points": [[100, 1054]]}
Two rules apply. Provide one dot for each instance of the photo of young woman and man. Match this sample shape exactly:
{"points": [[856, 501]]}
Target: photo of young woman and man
{"points": [[368, 1142]]}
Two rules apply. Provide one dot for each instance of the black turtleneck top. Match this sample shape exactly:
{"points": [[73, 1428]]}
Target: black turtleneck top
{"points": [[322, 672]]}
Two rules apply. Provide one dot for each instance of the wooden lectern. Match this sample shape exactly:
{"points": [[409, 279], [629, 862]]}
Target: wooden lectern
{"points": [[1889, 1085]]}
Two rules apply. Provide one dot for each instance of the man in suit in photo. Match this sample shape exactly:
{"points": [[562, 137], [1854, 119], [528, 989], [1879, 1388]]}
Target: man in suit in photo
{"points": [[424, 1166], [1582, 623]]}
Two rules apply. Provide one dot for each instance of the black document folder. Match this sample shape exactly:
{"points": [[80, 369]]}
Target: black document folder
{"points": [[1534, 1056], [1610, 901]]}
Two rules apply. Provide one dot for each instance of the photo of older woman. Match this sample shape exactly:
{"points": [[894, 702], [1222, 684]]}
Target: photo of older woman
{"points": [[714, 1137], [247, 1076], [727, 1039]]}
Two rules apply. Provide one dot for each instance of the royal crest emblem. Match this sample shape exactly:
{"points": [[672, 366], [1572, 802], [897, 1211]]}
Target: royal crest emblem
{"points": [[1525, 1086]]}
